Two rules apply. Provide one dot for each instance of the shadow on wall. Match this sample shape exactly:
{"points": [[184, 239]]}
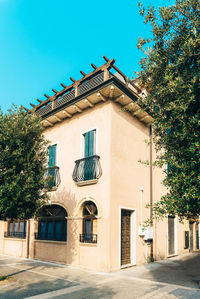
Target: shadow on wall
{"points": [[68, 200]]}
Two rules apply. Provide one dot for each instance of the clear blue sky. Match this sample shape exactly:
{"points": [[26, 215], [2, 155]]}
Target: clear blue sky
{"points": [[43, 43]]}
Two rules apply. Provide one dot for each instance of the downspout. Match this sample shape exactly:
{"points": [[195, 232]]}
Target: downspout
{"points": [[151, 184]]}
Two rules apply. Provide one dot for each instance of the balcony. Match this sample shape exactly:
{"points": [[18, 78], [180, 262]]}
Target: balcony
{"points": [[54, 177], [88, 238], [20, 235], [87, 170], [50, 236], [71, 94]]}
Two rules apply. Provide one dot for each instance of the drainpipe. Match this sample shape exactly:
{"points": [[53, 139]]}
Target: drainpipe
{"points": [[151, 184]]}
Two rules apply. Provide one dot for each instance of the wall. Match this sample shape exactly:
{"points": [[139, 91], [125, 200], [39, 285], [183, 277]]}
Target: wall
{"points": [[67, 136], [120, 145], [128, 175], [11, 246], [50, 251], [2, 223]]}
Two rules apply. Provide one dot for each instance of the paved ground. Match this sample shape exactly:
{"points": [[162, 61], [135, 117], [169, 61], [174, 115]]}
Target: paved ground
{"points": [[173, 278]]}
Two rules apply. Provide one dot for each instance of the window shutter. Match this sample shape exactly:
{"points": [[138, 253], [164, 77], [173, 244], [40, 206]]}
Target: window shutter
{"points": [[87, 140], [52, 155], [89, 144]]}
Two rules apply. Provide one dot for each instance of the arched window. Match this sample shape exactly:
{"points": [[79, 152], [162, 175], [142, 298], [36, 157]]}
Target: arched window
{"points": [[89, 229], [52, 224]]}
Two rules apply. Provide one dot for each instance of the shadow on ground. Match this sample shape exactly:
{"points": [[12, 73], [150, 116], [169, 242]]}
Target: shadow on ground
{"points": [[36, 288], [183, 270], [34, 280]]}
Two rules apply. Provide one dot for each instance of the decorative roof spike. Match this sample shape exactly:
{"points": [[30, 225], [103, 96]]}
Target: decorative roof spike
{"points": [[32, 105], [54, 90], [73, 80], [106, 59], [63, 85], [25, 109], [39, 100], [94, 66], [46, 96], [82, 73]]}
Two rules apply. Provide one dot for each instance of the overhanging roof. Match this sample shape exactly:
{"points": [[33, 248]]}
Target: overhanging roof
{"points": [[99, 85]]}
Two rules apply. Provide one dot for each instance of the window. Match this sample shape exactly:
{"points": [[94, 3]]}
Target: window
{"points": [[52, 155], [16, 229], [89, 223], [52, 224], [89, 152], [53, 169]]}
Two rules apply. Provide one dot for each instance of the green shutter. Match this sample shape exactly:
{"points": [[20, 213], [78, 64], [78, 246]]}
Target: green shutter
{"points": [[89, 144], [52, 155]]}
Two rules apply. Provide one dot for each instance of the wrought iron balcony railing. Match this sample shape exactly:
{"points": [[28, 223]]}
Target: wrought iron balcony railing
{"points": [[88, 238], [54, 176], [20, 235], [84, 87], [50, 236], [87, 169]]}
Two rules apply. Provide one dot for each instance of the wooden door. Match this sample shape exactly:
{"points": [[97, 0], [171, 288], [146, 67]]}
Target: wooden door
{"points": [[125, 237], [171, 235]]}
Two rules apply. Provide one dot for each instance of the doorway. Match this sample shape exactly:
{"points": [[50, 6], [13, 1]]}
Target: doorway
{"points": [[191, 236], [171, 236], [127, 237]]}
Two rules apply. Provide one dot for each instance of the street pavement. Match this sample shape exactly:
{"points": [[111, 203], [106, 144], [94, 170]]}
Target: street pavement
{"points": [[177, 277]]}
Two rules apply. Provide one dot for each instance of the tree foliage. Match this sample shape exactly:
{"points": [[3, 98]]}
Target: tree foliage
{"points": [[171, 74], [23, 156]]}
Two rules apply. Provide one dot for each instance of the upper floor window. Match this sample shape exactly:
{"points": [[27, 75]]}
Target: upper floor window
{"points": [[53, 169], [89, 143], [88, 168], [52, 155]]}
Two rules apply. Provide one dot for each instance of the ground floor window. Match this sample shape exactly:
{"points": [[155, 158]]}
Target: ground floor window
{"points": [[52, 224], [16, 229], [89, 225]]}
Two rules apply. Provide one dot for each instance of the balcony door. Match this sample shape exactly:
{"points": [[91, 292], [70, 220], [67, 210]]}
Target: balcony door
{"points": [[89, 151], [52, 164], [52, 155]]}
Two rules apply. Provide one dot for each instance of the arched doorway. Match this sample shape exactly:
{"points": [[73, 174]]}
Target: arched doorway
{"points": [[52, 223]]}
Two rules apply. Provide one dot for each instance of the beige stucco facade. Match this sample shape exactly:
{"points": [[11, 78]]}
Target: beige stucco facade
{"points": [[125, 184], [120, 144]]}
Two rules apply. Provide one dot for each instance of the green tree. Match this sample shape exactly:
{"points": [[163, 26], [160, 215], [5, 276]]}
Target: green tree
{"points": [[170, 73], [23, 156]]}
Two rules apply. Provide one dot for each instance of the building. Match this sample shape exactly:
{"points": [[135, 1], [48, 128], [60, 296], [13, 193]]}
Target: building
{"points": [[100, 190]]}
